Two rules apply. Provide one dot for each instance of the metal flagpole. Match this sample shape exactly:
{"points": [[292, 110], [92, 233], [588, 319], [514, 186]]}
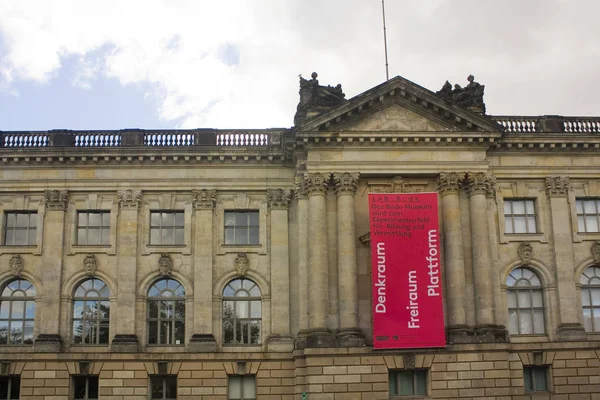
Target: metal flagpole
{"points": [[387, 73]]}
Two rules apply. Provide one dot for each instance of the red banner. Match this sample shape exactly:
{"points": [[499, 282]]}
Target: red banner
{"points": [[406, 271]]}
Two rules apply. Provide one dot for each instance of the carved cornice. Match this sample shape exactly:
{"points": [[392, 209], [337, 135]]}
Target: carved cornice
{"points": [[129, 198], [449, 183], [204, 199], [56, 199], [278, 198], [558, 186], [346, 183], [317, 183], [481, 183]]}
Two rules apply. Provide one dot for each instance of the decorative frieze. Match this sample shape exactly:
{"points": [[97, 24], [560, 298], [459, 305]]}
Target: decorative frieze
{"points": [[90, 264], [525, 252], [278, 198], [129, 198], [165, 264], [449, 183], [56, 199], [317, 183], [204, 199], [481, 183], [16, 265], [242, 264], [346, 183], [557, 186]]}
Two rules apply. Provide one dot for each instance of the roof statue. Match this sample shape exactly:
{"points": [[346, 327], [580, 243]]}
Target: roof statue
{"points": [[471, 96], [315, 98]]}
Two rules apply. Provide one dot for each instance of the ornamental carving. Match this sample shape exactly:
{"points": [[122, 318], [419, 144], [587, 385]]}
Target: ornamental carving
{"points": [[525, 252], [596, 252], [129, 198], [16, 265], [398, 185], [409, 361], [242, 264], [481, 183], [301, 188], [278, 198], [204, 199], [90, 264], [317, 183], [56, 199], [346, 183], [165, 264], [449, 182], [557, 186]]}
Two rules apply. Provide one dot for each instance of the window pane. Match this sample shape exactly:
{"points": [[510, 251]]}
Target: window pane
{"points": [[255, 332], [81, 238], [596, 296], [105, 236], [95, 219], [167, 219], [241, 309], [18, 309], [106, 219], [154, 219], [166, 236], [22, 220], [229, 235], [9, 239], [507, 208], [254, 218], [537, 298], [241, 236], [524, 299], [249, 384], [589, 207], [596, 319], [531, 225], [11, 218], [587, 320], [3, 332], [165, 332], [4, 307], [93, 236], [171, 386], [235, 387], [229, 219], [32, 220], [527, 378], [179, 332], [241, 219], [580, 224], [179, 236], [518, 207], [526, 323], [538, 322], [154, 236], [156, 383], [179, 219], [152, 332], [540, 378], [421, 379], [253, 236], [591, 223], [406, 382], [579, 206], [79, 387], [255, 310], [21, 237], [529, 207], [512, 299], [520, 225], [93, 387]]}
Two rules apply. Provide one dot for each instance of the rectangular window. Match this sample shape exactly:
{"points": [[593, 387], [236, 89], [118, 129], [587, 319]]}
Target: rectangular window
{"points": [[588, 215], [519, 216], [20, 228], [163, 387], [85, 387], [536, 378], [408, 382], [241, 227], [93, 227], [241, 387], [10, 387], [166, 228]]}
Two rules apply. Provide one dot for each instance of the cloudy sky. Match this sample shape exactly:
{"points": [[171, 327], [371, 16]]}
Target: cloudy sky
{"points": [[115, 64]]}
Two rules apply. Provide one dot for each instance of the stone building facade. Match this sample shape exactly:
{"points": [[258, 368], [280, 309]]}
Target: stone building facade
{"points": [[205, 264]]}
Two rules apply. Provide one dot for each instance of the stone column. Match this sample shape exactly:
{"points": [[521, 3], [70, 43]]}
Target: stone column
{"points": [[301, 193], [345, 188], [480, 185], [203, 339], [125, 340], [280, 338], [56, 203], [319, 335], [454, 263], [569, 327]]}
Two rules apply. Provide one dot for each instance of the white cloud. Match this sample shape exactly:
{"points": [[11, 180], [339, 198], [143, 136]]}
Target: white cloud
{"points": [[534, 57]]}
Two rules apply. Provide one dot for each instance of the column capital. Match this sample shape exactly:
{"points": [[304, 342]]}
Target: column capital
{"points": [[449, 183], [316, 184], [301, 188], [557, 186], [278, 198], [204, 199], [56, 199], [129, 198], [481, 183], [345, 182]]}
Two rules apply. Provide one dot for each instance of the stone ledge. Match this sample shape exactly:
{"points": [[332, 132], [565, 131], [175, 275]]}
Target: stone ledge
{"points": [[125, 344], [202, 343]]}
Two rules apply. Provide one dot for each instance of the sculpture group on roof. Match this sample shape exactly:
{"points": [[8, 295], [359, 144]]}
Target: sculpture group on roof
{"points": [[471, 96], [316, 98]]}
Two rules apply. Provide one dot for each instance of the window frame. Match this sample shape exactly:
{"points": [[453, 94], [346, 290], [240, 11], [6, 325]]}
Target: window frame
{"points": [[510, 201], [530, 289], [583, 214], [394, 376], [87, 386], [24, 319], [174, 228], [98, 322], [164, 379], [241, 380], [235, 299], [587, 291], [102, 228], [172, 322], [32, 215], [10, 379], [248, 227], [529, 378]]}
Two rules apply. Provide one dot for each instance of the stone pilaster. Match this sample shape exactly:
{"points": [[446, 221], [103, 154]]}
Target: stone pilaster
{"points": [[280, 338], [203, 340], [301, 193], [345, 188], [448, 187], [56, 203], [125, 340], [480, 185], [319, 335], [569, 327]]}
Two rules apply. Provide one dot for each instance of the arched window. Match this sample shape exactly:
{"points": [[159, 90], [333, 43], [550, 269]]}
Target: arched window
{"points": [[17, 310], [590, 299], [166, 312], [525, 303], [91, 312], [241, 312]]}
